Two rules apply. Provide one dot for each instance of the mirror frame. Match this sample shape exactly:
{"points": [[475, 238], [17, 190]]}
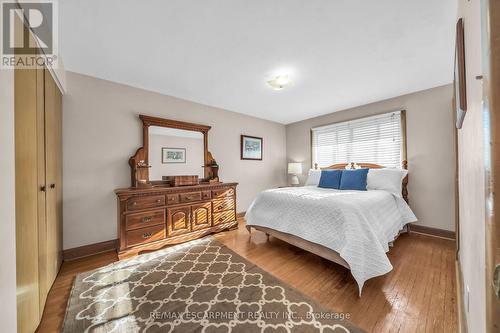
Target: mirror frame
{"points": [[142, 154]]}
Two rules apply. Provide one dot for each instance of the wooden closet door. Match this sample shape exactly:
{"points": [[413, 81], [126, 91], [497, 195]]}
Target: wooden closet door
{"points": [[53, 174], [28, 186], [43, 284]]}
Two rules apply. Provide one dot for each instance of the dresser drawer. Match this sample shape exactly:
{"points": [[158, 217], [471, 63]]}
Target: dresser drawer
{"points": [[146, 235], [224, 217], [206, 195], [141, 220], [190, 196], [223, 192], [146, 202], [172, 199], [222, 205]]}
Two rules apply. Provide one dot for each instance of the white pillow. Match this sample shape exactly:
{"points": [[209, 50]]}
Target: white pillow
{"points": [[313, 177], [386, 179]]}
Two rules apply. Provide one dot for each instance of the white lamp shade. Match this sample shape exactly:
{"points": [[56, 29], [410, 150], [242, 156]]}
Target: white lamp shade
{"points": [[295, 168]]}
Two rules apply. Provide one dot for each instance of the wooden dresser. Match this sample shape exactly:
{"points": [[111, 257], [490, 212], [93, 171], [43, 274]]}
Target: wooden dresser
{"points": [[150, 218]]}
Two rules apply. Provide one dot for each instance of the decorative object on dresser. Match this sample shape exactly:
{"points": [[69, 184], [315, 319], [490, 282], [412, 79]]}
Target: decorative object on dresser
{"points": [[176, 207], [181, 180], [251, 148], [212, 169], [294, 169], [137, 172]]}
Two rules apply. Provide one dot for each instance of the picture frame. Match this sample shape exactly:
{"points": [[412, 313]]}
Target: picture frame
{"points": [[459, 80], [173, 155], [251, 147]]}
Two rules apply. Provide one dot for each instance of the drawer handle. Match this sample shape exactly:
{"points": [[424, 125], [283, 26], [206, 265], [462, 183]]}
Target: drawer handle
{"points": [[220, 207], [147, 219], [171, 199], [221, 219], [158, 201], [134, 203], [188, 197], [146, 235]]}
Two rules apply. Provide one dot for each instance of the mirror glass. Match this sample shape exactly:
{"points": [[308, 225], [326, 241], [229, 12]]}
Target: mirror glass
{"points": [[175, 152]]}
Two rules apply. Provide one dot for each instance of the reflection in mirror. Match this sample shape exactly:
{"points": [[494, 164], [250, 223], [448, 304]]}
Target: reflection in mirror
{"points": [[175, 152]]}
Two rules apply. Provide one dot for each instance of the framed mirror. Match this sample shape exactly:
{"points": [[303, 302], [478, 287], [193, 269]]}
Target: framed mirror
{"points": [[175, 152], [170, 148]]}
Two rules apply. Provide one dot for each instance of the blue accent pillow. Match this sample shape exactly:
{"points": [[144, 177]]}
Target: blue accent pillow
{"points": [[354, 179], [330, 179]]}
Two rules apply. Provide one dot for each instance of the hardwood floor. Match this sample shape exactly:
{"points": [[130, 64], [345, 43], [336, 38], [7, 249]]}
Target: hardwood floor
{"points": [[418, 295]]}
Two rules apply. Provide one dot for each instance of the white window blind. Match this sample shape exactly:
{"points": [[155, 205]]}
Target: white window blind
{"points": [[375, 139]]}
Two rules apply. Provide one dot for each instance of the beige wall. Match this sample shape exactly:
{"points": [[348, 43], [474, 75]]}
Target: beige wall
{"points": [[431, 157], [194, 156], [7, 204], [101, 131], [471, 173]]}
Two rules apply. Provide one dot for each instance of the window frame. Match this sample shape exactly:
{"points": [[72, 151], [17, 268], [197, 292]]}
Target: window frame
{"points": [[404, 149]]}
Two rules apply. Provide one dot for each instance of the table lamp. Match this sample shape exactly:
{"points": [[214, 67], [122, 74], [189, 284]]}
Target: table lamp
{"points": [[294, 169]]}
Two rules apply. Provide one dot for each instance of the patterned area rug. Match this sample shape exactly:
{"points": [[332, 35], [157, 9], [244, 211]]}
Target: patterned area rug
{"points": [[200, 286]]}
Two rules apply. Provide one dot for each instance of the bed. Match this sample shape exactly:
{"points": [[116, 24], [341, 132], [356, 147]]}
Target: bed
{"points": [[352, 228]]}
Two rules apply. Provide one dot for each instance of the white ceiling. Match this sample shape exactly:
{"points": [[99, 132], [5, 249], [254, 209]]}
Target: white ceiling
{"points": [[338, 53]]}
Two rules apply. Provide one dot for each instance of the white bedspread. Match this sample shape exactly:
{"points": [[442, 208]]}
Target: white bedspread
{"points": [[357, 224]]}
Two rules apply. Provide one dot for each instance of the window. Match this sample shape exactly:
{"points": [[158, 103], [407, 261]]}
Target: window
{"points": [[376, 139]]}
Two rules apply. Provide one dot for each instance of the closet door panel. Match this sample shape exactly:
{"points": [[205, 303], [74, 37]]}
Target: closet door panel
{"points": [[59, 180], [44, 285], [27, 192], [53, 151]]}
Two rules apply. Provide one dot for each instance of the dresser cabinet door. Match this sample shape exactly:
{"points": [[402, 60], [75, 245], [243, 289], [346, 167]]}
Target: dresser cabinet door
{"points": [[178, 220], [201, 216]]}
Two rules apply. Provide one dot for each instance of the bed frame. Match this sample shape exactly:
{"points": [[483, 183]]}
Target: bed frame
{"points": [[317, 249], [352, 165]]}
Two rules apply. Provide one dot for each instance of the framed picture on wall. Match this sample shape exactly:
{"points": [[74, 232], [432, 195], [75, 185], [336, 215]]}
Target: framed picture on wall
{"points": [[251, 148], [459, 81], [173, 155]]}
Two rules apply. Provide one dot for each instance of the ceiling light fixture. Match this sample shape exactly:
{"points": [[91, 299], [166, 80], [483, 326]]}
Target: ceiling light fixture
{"points": [[279, 82]]}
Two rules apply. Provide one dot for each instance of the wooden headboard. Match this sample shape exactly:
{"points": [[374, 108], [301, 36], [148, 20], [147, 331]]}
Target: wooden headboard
{"points": [[404, 165]]}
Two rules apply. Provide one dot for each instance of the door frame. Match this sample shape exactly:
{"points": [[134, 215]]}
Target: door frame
{"points": [[491, 111]]}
